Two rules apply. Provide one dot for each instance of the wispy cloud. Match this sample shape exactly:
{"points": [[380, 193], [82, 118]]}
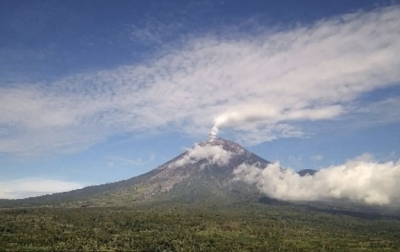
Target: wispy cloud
{"points": [[128, 161], [317, 158], [155, 32], [30, 187], [381, 112], [269, 82]]}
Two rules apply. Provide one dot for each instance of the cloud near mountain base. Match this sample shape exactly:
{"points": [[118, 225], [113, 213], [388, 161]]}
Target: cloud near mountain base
{"points": [[360, 181], [32, 187]]}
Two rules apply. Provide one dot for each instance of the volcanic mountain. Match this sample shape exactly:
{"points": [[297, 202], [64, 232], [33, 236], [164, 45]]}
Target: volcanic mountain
{"points": [[203, 173]]}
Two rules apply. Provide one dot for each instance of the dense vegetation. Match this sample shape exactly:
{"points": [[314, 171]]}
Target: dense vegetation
{"points": [[184, 228]]}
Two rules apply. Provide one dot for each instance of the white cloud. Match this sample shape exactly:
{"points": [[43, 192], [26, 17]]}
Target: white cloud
{"points": [[360, 180], [265, 84], [214, 154], [31, 187]]}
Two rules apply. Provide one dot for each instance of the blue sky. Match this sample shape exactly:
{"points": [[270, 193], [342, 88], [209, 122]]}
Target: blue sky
{"points": [[100, 91]]}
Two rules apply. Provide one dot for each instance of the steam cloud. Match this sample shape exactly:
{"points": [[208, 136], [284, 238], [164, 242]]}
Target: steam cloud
{"points": [[357, 180]]}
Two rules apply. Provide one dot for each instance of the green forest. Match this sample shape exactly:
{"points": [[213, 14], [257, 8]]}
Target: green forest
{"points": [[253, 227]]}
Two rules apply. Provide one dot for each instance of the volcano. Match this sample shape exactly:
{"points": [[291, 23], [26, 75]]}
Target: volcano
{"points": [[202, 175]]}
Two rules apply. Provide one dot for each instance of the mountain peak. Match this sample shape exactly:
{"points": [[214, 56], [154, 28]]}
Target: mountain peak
{"points": [[220, 141]]}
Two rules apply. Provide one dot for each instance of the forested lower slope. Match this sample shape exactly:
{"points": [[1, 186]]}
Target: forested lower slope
{"points": [[182, 228]]}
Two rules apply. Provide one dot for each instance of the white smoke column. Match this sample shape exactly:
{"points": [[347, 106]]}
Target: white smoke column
{"points": [[212, 134], [214, 130], [357, 180]]}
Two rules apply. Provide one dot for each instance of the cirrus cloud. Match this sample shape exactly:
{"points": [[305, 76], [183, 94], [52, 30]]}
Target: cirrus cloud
{"points": [[263, 84]]}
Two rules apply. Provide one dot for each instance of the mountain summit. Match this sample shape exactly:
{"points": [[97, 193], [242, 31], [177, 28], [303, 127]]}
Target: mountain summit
{"points": [[203, 173]]}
